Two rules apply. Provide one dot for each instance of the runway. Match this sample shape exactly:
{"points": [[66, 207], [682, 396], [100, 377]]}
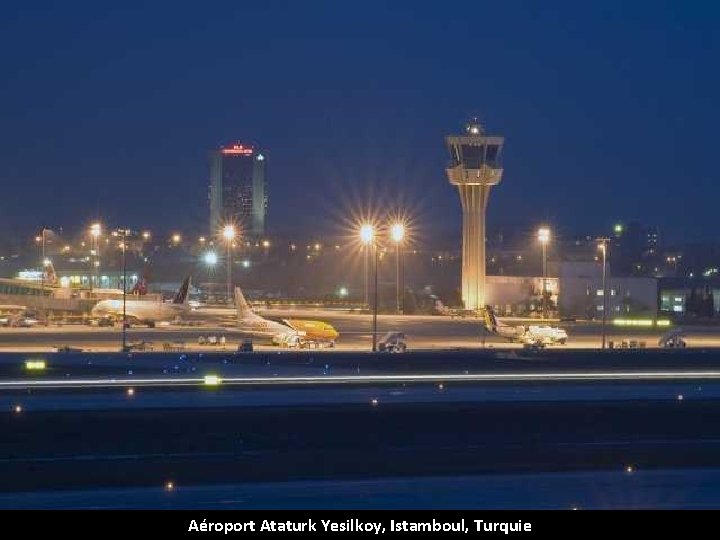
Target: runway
{"points": [[357, 379], [592, 447], [663, 489]]}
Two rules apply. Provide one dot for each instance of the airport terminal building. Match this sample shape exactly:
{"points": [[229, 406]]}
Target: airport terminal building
{"points": [[576, 291]]}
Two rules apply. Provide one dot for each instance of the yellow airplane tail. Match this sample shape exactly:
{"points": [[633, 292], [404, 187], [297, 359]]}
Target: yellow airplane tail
{"points": [[489, 318]]}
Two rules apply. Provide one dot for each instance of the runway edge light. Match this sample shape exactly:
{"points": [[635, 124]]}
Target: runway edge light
{"points": [[641, 322], [35, 365], [212, 380]]}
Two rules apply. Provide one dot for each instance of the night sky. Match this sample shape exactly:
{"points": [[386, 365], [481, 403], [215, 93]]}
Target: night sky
{"points": [[610, 112]]}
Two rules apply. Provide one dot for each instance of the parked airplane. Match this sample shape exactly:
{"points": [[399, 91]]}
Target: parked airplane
{"points": [[442, 309], [532, 334], [287, 332], [146, 312]]}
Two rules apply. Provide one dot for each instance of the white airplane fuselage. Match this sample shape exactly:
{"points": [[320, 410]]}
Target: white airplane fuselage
{"points": [[524, 334], [141, 311]]}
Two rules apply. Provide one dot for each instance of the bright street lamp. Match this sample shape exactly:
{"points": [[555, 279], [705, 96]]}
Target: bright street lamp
{"points": [[228, 232], [397, 233], [544, 238], [123, 245], [367, 233], [367, 237]]}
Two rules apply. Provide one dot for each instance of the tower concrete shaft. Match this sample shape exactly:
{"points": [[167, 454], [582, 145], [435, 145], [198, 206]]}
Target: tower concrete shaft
{"points": [[474, 199], [474, 168]]}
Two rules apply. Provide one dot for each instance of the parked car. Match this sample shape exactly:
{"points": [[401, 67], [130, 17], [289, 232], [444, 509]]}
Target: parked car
{"points": [[25, 322], [68, 349], [246, 345], [139, 346], [393, 342], [674, 339]]}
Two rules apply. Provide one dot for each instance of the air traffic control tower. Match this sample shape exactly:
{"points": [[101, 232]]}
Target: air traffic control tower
{"points": [[475, 167]]}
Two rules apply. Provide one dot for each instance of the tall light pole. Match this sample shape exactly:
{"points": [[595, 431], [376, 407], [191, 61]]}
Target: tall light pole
{"points": [[42, 260], [375, 298], [124, 233], [95, 232], [44, 263], [229, 235], [367, 237], [603, 247], [544, 238], [397, 233], [367, 233]]}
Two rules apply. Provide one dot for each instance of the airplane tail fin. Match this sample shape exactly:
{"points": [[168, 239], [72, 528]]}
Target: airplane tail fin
{"points": [[50, 275], [244, 311], [181, 297], [440, 307], [489, 317], [141, 285]]}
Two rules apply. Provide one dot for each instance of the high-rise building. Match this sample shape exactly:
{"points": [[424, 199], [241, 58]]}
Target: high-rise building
{"points": [[238, 188]]}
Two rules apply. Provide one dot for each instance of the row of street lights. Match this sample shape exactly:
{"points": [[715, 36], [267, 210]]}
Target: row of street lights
{"points": [[369, 238]]}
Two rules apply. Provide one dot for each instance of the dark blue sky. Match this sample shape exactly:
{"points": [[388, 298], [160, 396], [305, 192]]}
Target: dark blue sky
{"points": [[610, 111]]}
